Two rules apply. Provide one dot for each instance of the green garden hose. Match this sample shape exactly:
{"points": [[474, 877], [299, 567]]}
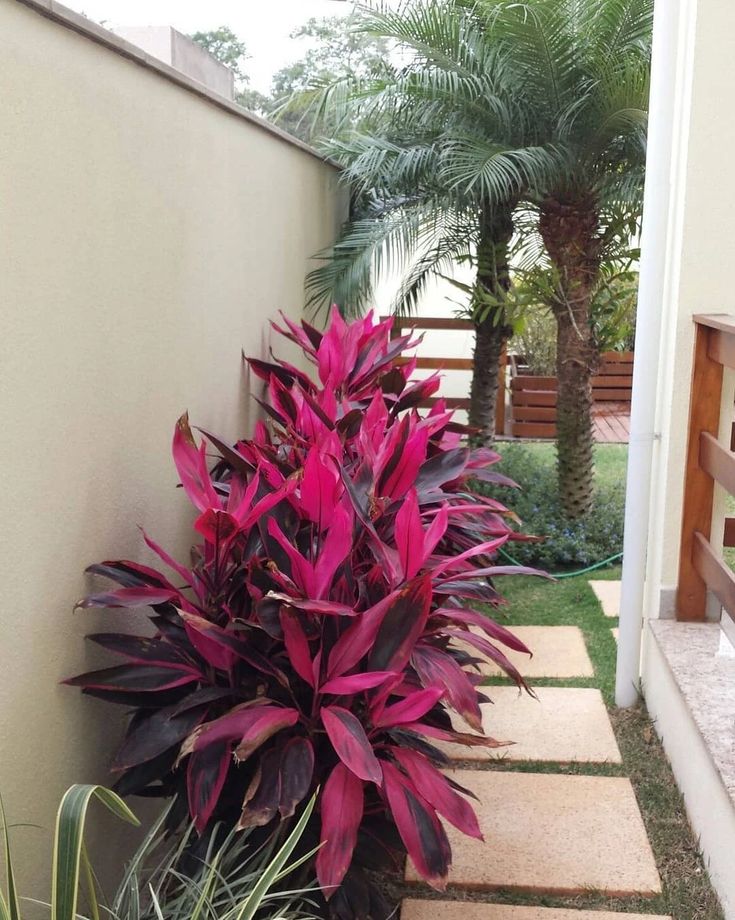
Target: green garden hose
{"points": [[590, 568]]}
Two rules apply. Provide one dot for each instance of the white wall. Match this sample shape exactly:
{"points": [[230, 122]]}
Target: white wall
{"points": [[149, 231]]}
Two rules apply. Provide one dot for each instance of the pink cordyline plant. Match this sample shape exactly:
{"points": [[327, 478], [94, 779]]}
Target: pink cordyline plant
{"points": [[325, 630]]}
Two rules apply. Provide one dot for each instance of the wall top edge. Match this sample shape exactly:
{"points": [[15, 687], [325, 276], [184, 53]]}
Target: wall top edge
{"points": [[74, 21]]}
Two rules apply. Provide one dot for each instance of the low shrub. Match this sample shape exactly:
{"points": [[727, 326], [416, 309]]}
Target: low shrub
{"points": [[580, 542], [229, 883], [324, 629]]}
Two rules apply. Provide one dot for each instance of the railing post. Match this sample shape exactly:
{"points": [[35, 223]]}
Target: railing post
{"points": [[704, 415]]}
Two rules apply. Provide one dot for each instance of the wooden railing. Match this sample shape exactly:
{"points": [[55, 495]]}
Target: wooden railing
{"points": [[452, 364], [701, 567]]}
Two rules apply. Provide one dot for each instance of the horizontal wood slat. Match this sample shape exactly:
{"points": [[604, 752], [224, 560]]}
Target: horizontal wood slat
{"points": [[533, 430], [534, 413], [717, 461], [722, 347], [417, 322], [534, 398], [617, 357], [601, 394], [439, 364], [716, 575], [623, 370], [611, 380], [528, 382], [451, 402], [444, 364]]}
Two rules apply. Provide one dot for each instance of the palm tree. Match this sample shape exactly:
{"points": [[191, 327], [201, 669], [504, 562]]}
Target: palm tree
{"points": [[502, 107], [444, 156], [583, 70]]}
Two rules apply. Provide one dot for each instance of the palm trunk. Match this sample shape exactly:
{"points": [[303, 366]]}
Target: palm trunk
{"points": [[570, 233], [491, 330]]}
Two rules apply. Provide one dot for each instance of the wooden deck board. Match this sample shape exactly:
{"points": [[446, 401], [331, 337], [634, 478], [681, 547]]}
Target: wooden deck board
{"points": [[611, 423]]}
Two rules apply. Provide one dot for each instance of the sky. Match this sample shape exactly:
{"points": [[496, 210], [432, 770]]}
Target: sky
{"points": [[264, 25]]}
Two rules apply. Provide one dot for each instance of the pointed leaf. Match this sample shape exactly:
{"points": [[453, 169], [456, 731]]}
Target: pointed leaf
{"points": [[297, 646], [402, 626], [411, 709], [436, 668], [421, 831], [342, 806], [356, 683], [297, 770], [437, 791], [206, 773], [349, 740]]}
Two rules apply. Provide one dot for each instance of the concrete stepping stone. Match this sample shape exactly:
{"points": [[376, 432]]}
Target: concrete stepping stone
{"points": [[608, 594], [558, 651], [415, 909], [553, 834], [563, 724]]}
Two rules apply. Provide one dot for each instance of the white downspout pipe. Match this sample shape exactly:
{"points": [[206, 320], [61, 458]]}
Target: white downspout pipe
{"points": [[649, 327]]}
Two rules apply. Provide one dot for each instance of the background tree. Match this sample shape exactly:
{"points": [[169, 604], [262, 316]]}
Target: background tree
{"points": [[438, 155], [224, 45], [336, 52], [501, 103], [583, 70]]}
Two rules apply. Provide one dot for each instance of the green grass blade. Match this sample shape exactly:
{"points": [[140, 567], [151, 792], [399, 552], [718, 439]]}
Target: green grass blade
{"points": [[68, 843], [9, 906], [271, 873], [89, 881]]}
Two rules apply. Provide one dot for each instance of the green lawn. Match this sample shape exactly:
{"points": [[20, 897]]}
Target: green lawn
{"points": [[610, 459]]}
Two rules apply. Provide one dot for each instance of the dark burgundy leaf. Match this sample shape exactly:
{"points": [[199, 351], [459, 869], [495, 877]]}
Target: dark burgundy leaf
{"points": [[138, 678], [297, 771], [401, 627], [156, 733], [349, 740], [206, 772]]}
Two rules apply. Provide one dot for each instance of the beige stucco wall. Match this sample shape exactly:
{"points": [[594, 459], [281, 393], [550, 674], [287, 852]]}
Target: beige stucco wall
{"points": [[148, 234]]}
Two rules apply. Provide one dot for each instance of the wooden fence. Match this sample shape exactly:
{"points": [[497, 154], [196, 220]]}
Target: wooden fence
{"points": [[452, 364], [701, 567], [533, 399]]}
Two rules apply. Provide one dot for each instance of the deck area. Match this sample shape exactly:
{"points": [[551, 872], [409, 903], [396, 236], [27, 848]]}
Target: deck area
{"points": [[611, 423]]}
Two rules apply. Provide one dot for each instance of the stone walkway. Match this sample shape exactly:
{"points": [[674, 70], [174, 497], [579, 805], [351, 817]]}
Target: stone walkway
{"points": [[548, 834]]}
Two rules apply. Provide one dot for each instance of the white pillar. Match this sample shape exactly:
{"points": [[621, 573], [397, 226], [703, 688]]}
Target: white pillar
{"points": [[667, 135]]}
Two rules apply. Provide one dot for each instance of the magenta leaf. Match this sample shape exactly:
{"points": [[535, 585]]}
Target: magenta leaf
{"points": [[341, 809], [437, 791], [297, 646], [421, 831], [332, 553], [191, 463], [410, 709], [356, 683], [436, 668], [410, 536], [248, 725], [349, 740]]}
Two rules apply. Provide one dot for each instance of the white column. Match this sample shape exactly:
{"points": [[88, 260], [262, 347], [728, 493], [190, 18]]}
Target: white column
{"points": [[665, 170]]}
